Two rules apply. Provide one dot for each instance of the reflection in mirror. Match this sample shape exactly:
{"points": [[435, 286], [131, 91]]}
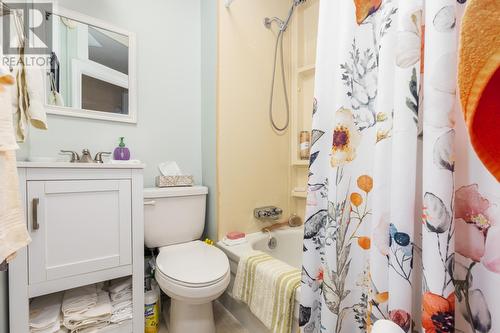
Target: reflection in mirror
{"points": [[89, 68], [103, 96]]}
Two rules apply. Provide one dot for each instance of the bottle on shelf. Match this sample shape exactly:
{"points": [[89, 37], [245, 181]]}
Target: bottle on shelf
{"points": [[304, 144]]}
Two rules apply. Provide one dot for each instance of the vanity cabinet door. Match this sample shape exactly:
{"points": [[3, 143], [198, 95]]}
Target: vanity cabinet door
{"points": [[78, 227]]}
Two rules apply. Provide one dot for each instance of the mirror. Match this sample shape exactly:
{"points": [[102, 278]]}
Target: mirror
{"points": [[91, 69]]}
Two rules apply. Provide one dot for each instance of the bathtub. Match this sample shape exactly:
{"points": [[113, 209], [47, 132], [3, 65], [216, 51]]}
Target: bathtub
{"points": [[288, 249]]}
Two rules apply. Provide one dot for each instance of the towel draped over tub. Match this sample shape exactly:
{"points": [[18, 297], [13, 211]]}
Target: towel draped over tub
{"points": [[268, 286]]}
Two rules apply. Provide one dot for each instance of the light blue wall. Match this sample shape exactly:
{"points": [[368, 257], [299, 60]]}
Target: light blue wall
{"points": [[169, 62], [169, 88], [208, 109]]}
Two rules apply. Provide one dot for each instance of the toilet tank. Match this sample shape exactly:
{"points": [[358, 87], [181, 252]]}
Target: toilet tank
{"points": [[173, 215]]}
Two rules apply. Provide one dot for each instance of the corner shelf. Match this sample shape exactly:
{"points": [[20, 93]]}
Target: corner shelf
{"points": [[302, 74], [300, 163], [306, 69], [299, 194]]}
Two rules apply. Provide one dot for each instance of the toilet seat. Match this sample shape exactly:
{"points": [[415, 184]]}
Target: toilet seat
{"points": [[194, 271], [195, 264]]}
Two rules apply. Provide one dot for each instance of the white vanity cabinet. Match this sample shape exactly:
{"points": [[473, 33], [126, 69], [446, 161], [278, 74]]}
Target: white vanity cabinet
{"points": [[86, 225]]}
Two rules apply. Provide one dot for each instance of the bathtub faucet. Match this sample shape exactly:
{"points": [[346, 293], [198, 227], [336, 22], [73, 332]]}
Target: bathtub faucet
{"points": [[267, 213]]}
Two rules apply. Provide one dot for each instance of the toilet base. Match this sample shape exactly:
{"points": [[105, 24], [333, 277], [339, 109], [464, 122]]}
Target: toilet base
{"points": [[185, 317]]}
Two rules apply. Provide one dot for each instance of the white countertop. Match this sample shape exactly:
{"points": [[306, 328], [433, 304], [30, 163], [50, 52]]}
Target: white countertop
{"points": [[26, 164]]}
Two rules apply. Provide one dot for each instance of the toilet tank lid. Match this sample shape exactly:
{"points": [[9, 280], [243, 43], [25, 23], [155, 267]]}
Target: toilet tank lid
{"points": [[165, 192]]}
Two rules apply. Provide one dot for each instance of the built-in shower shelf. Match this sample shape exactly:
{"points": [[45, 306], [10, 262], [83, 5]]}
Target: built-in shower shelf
{"points": [[304, 70], [299, 194], [300, 163], [303, 35]]}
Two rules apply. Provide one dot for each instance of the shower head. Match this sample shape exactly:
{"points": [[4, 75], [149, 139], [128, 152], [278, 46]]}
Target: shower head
{"points": [[298, 2], [228, 3], [283, 24]]}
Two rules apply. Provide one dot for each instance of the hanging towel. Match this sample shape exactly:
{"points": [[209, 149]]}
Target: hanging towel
{"points": [[45, 314], [479, 79], [29, 93], [79, 299], [36, 91], [13, 232], [7, 134], [268, 286]]}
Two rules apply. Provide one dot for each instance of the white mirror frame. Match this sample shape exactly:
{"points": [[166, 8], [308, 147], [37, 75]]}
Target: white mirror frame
{"points": [[131, 117]]}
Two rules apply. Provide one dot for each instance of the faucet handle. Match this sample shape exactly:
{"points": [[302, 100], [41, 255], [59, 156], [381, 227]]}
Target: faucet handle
{"points": [[74, 155], [98, 156]]}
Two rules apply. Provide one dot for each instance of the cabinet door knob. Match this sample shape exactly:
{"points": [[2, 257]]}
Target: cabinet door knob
{"points": [[34, 212]]}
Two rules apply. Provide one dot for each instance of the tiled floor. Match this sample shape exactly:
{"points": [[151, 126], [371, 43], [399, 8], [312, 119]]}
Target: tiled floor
{"points": [[224, 321]]}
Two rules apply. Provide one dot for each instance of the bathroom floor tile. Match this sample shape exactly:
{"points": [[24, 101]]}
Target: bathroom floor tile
{"points": [[224, 321]]}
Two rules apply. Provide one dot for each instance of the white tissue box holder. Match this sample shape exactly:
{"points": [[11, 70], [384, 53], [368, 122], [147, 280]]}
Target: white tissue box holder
{"points": [[173, 181]]}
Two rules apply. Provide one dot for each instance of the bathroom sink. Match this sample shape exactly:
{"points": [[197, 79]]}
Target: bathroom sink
{"points": [[66, 164]]}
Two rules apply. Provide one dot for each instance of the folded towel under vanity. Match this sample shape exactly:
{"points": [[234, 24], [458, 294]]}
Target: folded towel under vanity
{"points": [[119, 285], [122, 310], [120, 292], [79, 299], [94, 318], [120, 289], [268, 286], [45, 314]]}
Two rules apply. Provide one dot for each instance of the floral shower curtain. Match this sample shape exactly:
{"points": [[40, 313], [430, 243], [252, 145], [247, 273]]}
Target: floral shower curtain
{"points": [[403, 221]]}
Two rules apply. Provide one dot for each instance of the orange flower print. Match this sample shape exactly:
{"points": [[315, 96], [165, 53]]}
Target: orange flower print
{"points": [[356, 199], [382, 297], [438, 313], [346, 138], [319, 276], [365, 8], [365, 183], [364, 242]]}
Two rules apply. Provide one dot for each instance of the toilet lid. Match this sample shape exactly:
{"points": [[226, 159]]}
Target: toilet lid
{"points": [[195, 263]]}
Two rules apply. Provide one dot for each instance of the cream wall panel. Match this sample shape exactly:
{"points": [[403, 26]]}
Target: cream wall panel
{"points": [[253, 161]]}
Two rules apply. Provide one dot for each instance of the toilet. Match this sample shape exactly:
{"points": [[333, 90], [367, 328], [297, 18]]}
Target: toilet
{"points": [[188, 270]]}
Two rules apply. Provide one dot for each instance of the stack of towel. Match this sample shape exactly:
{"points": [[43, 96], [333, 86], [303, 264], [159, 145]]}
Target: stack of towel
{"points": [[45, 314], [86, 309], [79, 300], [268, 286], [120, 292]]}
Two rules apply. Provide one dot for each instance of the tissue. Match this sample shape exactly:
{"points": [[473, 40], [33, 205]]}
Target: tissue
{"points": [[171, 175], [169, 168]]}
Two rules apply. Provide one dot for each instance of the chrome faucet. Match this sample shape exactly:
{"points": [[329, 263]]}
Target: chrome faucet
{"points": [[75, 158], [86, 156], [98, 156]]}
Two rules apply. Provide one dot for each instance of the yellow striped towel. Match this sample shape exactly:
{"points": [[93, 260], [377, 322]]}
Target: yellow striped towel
{"points": [[268, 286]]}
